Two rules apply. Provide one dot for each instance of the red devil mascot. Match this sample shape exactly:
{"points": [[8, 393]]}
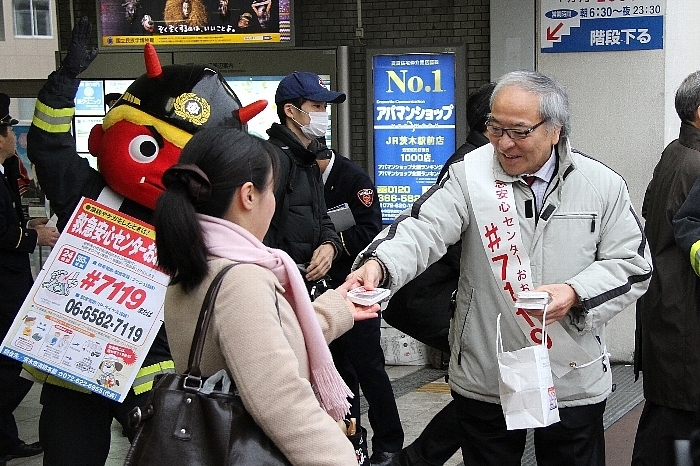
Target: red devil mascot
{"points": [[141, 136]]}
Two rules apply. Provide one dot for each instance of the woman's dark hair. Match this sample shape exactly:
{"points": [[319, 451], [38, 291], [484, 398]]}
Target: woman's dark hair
{"points": [[212, 165]]}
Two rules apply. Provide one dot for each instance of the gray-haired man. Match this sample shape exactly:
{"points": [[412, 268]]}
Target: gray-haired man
{"points": [[532, 214]]}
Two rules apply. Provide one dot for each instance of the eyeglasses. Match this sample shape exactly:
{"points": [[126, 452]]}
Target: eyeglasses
{"points": [[497, 131]]}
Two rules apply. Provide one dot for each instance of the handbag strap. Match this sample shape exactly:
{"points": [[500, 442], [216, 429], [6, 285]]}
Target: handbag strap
{"points": [[205, 314]]}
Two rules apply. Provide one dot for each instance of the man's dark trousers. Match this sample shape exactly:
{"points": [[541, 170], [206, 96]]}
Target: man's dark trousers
{"points": [[577, 440], [13, 388]]}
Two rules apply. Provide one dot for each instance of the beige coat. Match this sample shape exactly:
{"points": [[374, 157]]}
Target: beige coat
{"points": [[263, 349]]}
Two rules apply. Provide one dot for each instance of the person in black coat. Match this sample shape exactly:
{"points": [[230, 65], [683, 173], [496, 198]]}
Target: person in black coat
{"points": [[357, 354], [667, 343], [18, 238], [301, 226], [686, 232]]}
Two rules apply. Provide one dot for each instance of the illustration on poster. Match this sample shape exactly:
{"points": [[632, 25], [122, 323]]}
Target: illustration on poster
{"points": [[110, 367], [61, 282]]}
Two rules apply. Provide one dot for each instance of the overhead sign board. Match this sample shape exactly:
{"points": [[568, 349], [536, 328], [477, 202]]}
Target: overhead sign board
{"points": [[601, 25], [130, 23], [414, 125]]}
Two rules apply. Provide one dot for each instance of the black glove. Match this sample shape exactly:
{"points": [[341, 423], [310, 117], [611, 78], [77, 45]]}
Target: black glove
{"points": [[78, 57]]}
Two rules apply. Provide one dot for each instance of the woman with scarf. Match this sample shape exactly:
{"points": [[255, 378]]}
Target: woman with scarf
{"points": [[265, 331]]}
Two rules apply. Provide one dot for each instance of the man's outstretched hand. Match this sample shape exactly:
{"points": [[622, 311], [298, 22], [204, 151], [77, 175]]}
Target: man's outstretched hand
{"points": [[78, 57]]}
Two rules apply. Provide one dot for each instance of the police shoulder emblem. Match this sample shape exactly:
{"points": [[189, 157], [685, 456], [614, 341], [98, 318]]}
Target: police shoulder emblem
{"points": [[366, 196], [192, 108]]}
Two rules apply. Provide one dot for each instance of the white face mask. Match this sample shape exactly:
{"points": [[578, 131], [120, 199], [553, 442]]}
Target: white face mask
{"points": [[318, 124]]}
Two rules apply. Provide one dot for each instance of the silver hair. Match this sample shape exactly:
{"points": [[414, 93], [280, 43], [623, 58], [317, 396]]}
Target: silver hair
{"points": [[688, 97], [554, 103]]}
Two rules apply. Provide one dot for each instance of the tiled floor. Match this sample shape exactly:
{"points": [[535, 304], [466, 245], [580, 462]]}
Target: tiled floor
{"points": [[415, 409], [27, 416], [417, 401]]}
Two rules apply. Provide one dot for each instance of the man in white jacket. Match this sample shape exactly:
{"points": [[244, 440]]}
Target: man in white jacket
{"points": [[532, 214]]}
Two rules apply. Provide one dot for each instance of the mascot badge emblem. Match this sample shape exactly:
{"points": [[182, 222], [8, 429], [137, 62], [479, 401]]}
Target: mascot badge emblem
{"points": [[192, 108]]}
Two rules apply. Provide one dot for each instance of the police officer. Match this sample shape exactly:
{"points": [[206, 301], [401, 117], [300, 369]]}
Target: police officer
{"points": [[18, 238]]}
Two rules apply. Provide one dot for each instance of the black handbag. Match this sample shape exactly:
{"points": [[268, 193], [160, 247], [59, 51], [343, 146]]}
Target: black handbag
{"points": [[316, 287], [190, 423], [359, 443]]}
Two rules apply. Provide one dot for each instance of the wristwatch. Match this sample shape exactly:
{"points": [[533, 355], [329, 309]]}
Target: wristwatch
{"points": [[385, 273]]}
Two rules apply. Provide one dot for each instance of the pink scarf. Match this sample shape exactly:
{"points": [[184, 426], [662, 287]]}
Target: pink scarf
{"points": [[230, 241]]}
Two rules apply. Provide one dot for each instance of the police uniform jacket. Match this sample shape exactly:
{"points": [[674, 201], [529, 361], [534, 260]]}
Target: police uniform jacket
{"points": [[16, 243], [349, 183]]}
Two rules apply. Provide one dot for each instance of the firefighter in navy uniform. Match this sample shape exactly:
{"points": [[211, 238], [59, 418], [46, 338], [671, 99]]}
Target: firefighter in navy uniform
{"points": [[357, 353], [141, 136]]}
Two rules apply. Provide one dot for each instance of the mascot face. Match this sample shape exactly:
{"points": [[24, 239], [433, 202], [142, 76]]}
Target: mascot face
{"points": [[132, 158], [144, 132]]}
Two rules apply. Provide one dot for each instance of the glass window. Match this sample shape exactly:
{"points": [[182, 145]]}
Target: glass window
{"points": [[32, 17]]}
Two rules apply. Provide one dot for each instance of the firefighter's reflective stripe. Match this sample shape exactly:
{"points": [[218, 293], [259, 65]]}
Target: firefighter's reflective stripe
{"points": [[144, 378], [43, 377], [52, 120], [695, 257], [142, 383]]}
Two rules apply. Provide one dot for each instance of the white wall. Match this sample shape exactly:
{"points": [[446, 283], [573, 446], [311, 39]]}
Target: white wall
{"points": [[27, 58], [622, 103], [512, 36], [617, 106]]}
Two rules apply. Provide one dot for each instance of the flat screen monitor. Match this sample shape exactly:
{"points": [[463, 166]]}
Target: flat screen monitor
{"points": [[90, 109], [252, 88], [90, 105]]}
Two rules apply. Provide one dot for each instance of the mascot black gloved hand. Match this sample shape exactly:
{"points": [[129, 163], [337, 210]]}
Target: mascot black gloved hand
{"points": [[78, 57], [141, 136]]}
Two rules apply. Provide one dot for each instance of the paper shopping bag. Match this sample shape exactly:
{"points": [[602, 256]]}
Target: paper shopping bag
{"points": [[528, 398]]}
